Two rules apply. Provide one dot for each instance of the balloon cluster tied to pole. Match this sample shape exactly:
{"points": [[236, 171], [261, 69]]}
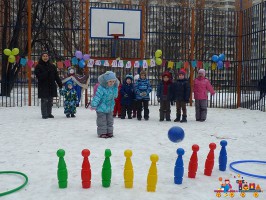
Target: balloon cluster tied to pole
{"points": [[158, 54], [81, 58], [219, 60], [11, 54]]}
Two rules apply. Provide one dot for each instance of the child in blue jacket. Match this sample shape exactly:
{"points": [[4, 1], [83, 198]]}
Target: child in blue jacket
{"points": [[103, 102], [142, 91], [127, 97]]}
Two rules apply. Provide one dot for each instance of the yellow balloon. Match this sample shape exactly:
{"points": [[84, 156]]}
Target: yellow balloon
{"points": [[15, 51], [7, 52], [11, 59], [158, 53], [158, 61]]}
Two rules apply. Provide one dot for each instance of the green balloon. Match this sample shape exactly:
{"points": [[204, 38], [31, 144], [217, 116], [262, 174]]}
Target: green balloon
{"points": [[7, 52], [11, 59], [158, 61], [158, 53], [15, 51]]}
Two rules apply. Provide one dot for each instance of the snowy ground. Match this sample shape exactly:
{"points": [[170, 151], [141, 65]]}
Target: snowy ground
{"points": [[29, 145]]}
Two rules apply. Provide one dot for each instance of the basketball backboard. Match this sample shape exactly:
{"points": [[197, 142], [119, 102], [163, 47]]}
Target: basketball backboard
{"points": [[106, 22]]}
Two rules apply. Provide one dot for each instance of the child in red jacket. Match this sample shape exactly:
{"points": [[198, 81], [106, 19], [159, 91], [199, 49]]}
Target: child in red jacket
{"points": [[117, 108], [201, 87]]}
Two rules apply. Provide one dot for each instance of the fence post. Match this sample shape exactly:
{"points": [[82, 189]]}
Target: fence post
{"points": [[239, 58], [29, 2], [192, 53], [143, 23], [87, 49]]}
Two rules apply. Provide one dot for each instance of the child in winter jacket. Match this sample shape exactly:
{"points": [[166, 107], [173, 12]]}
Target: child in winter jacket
{"points": [[142, 91], [127, 97], [181, 93], [117, 108], [71, 99], [164, 96], [201, 87], [103, 102]]}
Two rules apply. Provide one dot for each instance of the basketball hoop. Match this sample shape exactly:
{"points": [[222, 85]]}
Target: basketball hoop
{"points": [[116, 36]]}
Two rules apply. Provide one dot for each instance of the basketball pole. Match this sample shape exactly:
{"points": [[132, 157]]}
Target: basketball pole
{"points": [[87, 49]]}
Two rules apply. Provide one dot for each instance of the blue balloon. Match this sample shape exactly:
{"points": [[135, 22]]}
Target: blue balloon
{"points": [[82, 63], [176, 134], [221, 57], [215, 58], [220, 64]]}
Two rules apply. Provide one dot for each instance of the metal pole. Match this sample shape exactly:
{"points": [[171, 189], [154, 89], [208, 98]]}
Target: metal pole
{"points": [[192, 52], [239, 58], [87, 49], [143, 25], [29, 2]]}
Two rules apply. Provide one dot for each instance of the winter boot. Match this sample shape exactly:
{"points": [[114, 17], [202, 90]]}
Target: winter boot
{"points": [[177, 118], [184, 118]]}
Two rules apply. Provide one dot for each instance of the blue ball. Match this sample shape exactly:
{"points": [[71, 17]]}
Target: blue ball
{"points": [[176, 134]]}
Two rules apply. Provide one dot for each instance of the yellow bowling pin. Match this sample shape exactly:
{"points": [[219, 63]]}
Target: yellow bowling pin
{"points": [[152, 175], [128, 170]]}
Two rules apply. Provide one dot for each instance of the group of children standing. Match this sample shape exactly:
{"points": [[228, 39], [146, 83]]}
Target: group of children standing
{"points": [[179, 93], [129, 96], [114, 98]]}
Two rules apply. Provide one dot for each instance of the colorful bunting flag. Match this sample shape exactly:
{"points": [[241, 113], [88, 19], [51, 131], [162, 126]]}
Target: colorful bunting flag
{"points": [[30, 63], [106, 63], [149, 62], [213, 67], [145, 64], [136, 64], [114, 63], [153, 64], [227, 64], [170, 64], [199, 64], [60, 64], [23, 62], [98, 63], [17, 59], [121, 63], [90, 63], [186, 65], [67, 63], [141, 63], [194, 63], [128, 65], [206, 65], [164, 62], [178, 65]]}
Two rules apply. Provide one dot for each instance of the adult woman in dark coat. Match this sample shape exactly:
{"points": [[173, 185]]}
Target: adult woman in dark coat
{"points": [[47, 76]]}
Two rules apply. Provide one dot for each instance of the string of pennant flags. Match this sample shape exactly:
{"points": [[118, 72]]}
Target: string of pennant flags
{"points": [[131, 64], [85, 60]]}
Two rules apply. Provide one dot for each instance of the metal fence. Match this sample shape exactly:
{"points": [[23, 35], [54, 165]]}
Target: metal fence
{"points": [[183, 34]]}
